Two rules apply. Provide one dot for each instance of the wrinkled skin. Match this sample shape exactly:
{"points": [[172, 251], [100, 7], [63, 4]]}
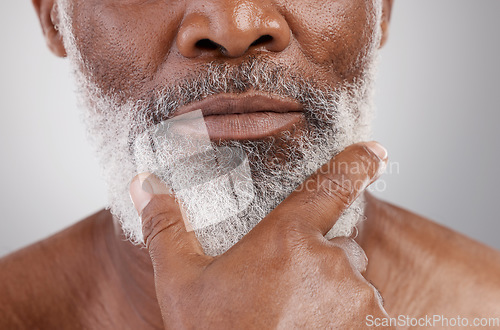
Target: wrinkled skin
{"points": [[89, 277]]}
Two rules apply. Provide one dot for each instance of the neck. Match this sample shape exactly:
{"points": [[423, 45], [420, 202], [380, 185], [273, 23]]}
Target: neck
{"points": [[134, 276], [385, 238]]}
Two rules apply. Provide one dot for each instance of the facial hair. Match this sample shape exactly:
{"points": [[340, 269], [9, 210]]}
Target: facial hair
{"points": [[335, 119]]}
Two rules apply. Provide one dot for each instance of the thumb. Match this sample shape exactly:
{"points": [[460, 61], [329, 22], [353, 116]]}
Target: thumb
{"points": [[171, 243]]}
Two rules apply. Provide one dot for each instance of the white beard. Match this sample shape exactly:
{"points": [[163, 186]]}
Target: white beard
{"points": [[336, 119]]}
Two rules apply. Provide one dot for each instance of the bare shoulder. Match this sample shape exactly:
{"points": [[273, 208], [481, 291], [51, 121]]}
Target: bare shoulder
{"points": [[40, 280], [443, 269]]}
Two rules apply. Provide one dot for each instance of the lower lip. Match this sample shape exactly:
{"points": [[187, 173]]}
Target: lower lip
{"points": [[250, 126]]}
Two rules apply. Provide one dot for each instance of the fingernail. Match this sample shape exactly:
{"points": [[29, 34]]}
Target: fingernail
{"points": [[140, 197], [143, 188], [378, 150]]}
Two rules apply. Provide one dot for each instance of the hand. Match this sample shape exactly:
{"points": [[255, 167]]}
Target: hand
{"points": [[283, 273]]}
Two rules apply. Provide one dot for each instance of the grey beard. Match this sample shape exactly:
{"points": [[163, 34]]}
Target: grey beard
{"points": [[221, 214], [335, 119]]}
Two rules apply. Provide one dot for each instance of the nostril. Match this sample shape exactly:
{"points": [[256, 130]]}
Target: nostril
{"points": [[207, 44], [262, 40]]}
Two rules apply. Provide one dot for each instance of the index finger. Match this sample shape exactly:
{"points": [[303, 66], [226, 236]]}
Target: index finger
{"points": [[322, 198]]}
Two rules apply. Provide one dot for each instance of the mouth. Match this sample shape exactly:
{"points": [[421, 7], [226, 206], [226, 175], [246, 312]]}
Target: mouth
{"points": [[247, 116]]}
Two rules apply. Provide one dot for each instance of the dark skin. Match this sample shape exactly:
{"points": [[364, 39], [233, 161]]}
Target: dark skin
{"points": [[89, 277]]}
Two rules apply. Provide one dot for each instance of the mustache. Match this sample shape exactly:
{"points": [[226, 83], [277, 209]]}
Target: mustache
{"points": [[252, 74], [319, 104]]}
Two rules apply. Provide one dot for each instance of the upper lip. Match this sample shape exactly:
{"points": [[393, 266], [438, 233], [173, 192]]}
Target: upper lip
{"points": [[224, 104]]}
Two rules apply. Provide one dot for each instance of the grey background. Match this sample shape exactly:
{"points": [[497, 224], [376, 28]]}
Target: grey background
{"points": [[437, 114]]}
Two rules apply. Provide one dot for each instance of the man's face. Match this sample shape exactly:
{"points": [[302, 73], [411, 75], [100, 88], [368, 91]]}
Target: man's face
{"points": [[139, 62]]}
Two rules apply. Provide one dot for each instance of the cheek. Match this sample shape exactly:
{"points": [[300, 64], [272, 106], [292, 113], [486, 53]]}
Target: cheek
{"points": [[336, 35], [124, 45]]}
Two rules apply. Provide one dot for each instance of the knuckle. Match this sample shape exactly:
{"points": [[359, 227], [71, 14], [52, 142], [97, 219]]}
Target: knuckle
{"points": [[362, 153], [334, 258], [370, 295], [371, 161], [154, 226], [354, 253], [341, 259], [337, 187], [156, 219], [364, 293], [337, 253]]}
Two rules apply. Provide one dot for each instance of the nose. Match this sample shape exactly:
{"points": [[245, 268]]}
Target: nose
{"points": [[232, 28]]}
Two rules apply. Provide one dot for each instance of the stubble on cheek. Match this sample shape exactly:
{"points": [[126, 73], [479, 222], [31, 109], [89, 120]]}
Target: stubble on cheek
{"points": [[124, 47], [339, 40]]}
